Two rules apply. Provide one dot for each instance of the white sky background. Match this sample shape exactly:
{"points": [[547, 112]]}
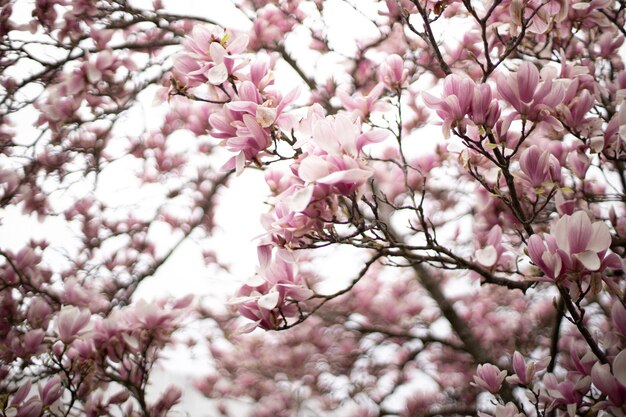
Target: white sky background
{"points": [[240, 205]]}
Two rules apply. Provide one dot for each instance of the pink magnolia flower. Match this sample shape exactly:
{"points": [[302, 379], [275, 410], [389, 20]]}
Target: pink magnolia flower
{"points": [[298, 210], [270, 26], [246, 123], [584, 241], [458, 93], [565, 392], [604, 380], [575, 245], [32, 408], [615, 133], [574, 111], [71, 322], [582, 365], [525, 372], [363, 106], [539, 168], [21, 393], [545, 253], [492, 252], [489, 377], [268, 297], [530, 97], [485, 110], [209, 56], [332, 158], [51, 391], [104, 66], [168, 399], [392, 72]]}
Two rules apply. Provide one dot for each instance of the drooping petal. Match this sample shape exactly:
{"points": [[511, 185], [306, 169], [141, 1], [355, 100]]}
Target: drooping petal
{"points": [[243, 106], [373, 136]]}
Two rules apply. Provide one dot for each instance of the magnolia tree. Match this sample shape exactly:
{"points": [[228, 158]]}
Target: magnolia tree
{"points": [[465, 159]]}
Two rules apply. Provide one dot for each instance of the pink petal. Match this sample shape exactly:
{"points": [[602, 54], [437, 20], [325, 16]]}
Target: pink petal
{"points": [[312, 168], [257, 132], [578, 231], [560, 232], [431, 101], [589, 259], [264, 252], [507, 90], [240, 163], [247, 328], [536, 248], [351, 175], [269, 301], [300, 200], [217, 52], [243, 106], [218, 74], [238, 44], [288, 99], [249, 92], [619, 367], [487, 256], [373, 136], [255, 281], [600, 237]]}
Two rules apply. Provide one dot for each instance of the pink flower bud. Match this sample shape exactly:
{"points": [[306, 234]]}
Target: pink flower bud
{"points": [[489, 377], [58, 349], [120, 397], [51, 392], [21, 393], [392, 72], [32, 408]]}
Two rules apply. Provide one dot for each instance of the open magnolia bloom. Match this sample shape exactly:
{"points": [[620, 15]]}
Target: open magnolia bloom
{"points": [[575, 245]]}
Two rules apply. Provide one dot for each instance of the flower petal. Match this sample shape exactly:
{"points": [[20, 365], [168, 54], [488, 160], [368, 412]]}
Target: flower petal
{"points": [[589, 259], [218, 74], [269, 301], [619, 367]]}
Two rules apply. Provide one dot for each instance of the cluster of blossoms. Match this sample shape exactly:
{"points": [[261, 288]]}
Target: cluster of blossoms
{"points": [[488, 272], [530, 133], [576, 246]]}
